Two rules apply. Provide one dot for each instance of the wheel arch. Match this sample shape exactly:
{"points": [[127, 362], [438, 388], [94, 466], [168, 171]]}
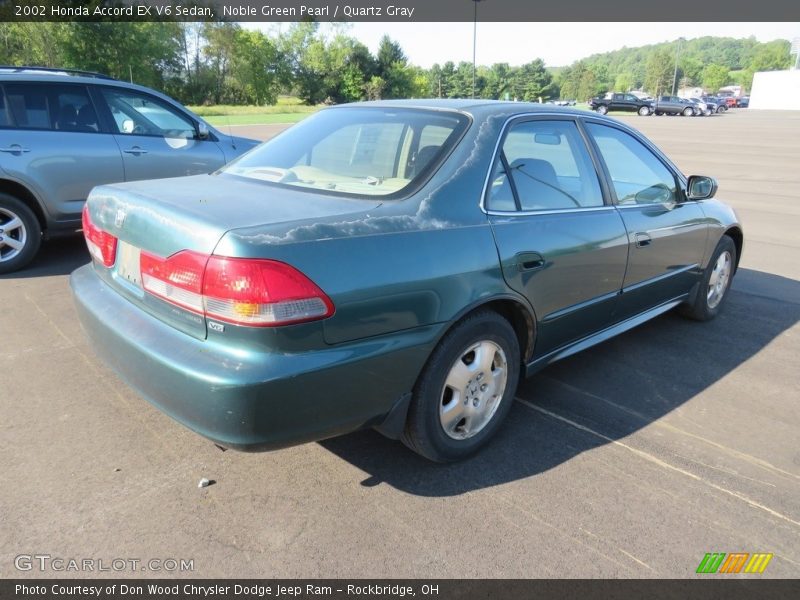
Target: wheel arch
{"points": [[735, 233], [23, 194]]}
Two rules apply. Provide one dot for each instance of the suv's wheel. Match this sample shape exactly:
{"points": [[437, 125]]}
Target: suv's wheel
{"points": [[20, 234], [465, 390], [688, 111], [644, 111], [715, 283], [602, 109]]}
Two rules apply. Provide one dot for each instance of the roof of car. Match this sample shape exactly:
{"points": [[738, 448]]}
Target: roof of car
{"points": [[473, 106]]}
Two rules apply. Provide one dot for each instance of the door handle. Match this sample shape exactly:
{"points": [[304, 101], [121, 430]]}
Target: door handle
{"points": [[642, 240], [529, 261], [15, 149], [136, 151]]}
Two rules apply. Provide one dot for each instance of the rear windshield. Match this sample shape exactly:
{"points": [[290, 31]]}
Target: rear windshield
{"points": [[356, 151]]}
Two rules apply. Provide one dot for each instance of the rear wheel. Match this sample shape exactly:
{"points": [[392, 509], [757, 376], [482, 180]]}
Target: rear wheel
{"points": [[465, 390], [715, 283], [20, 234]]}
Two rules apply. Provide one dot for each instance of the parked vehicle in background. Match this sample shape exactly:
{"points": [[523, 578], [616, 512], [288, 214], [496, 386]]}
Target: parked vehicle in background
{"points": [[743, 102], [717, 103], [621, 102], [702, 107], [351, 272], [730, 102], [672, 105], [64, 132]]}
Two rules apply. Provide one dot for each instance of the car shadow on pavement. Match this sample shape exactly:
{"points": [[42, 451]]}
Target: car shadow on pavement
{"points": [[614, 389], [59, 256]]}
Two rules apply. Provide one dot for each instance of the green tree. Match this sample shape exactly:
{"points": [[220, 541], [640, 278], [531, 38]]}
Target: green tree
{"points": [[659, 72], [715, 76]]}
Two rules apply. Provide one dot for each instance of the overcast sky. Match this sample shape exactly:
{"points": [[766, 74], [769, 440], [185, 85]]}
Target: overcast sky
{"points": [[558, 44]]}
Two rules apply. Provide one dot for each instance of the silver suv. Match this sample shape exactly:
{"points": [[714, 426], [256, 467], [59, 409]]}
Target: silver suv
{"points": [[62, 132]]}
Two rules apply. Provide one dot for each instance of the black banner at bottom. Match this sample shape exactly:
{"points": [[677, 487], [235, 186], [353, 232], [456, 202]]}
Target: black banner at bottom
{"points": [[445, 589]]}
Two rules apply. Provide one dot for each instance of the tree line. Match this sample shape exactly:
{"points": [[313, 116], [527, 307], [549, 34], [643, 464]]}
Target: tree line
{"points": [[224, 63]]}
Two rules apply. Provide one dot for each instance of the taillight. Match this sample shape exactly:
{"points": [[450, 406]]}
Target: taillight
{"points": [[177, 279], [102, 245], [243, 291]]}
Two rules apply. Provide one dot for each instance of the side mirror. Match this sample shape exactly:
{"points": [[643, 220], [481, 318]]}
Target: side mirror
{"points": [[701, 187], [202, 131]]}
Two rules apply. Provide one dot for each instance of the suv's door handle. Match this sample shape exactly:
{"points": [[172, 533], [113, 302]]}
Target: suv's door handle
{"points": [[15, 149], [642, 240], [529, 261], [136, 150]]}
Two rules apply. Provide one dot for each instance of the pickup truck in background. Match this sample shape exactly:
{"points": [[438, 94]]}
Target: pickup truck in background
{"points": [[622, 102], [672, 105]]}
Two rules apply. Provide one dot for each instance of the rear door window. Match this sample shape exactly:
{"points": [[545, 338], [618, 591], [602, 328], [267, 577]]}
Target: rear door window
{"points": [[59, 107], [546, 166]]}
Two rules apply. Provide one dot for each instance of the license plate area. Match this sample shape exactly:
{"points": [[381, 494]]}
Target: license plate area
{"points": [[128, 268]]}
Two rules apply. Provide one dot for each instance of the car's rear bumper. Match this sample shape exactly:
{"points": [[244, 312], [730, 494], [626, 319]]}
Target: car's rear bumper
{"points": [[246, 399]]}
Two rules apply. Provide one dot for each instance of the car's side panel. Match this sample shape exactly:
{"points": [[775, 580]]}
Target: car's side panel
{"points": [[574, 287], [385, 283], [63, 179]]}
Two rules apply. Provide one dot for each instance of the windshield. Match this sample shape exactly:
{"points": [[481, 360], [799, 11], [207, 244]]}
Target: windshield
{"points": [[359, 151]]}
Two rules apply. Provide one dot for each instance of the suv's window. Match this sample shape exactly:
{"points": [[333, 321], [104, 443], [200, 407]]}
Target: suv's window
{"points": [[363, 151], [618, 97], [550, 168], [639, 177], [4, 120], [631, 98], [61, 107], [139, 114]]}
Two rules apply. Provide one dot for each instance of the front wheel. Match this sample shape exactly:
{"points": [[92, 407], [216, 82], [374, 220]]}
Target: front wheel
{"points": [[20, 234], [644, 111], [465, 390], [715, 283], [602, 109], [688, 112]]}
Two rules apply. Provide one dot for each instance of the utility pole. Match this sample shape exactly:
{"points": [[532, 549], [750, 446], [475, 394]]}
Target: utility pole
{"points": [[675, 75], [474, 43]]}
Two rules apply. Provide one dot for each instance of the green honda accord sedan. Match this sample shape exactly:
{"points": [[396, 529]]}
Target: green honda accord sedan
{"points": [[396, 265]]}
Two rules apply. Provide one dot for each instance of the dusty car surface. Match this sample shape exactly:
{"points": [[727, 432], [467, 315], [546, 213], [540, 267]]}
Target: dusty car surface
{"points": [[395, 265]]}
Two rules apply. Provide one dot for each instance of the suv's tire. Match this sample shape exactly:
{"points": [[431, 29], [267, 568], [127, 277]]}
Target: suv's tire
{"points": [[465, 390], [644, 111], [602, 109], [713, 288], [20, 234]]}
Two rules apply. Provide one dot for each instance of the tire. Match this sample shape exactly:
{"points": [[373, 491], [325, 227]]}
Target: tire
{"points": [[644, 111], [465, 390], [714, 286], [602, 109], [688, 111], [659, 113], [20, 234]]}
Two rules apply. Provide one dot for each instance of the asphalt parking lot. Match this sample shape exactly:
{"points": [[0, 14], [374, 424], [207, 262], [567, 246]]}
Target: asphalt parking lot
{"points": [[632, 459]]}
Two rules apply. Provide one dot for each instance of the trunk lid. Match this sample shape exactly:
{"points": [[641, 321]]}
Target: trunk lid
{"points": [[166, 216]]}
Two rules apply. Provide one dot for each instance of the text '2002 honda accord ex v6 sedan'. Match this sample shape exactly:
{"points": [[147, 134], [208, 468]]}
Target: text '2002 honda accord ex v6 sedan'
{"points": [[395, 265]]}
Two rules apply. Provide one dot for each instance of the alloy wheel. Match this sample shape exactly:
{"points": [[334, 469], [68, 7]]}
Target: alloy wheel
{"points": [[473, 390], [13, 235]]}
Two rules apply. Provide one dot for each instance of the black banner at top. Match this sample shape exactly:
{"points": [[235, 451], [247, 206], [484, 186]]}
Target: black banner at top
{"points": [[408, 11]]}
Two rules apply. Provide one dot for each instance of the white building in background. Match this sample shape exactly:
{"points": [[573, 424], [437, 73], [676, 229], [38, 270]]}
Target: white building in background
{"points": [[777, 90], [692, 92], [731, 90]]}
